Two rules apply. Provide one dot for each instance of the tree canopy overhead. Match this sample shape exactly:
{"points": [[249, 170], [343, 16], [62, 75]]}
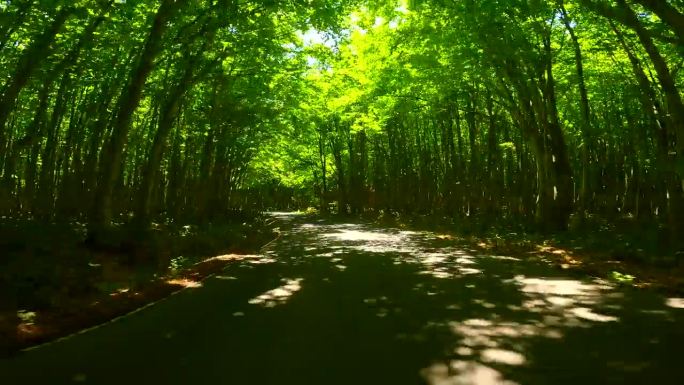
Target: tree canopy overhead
{"points": [[183, 110]]}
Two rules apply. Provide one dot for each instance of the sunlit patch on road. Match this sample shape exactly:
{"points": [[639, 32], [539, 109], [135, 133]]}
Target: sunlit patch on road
{"points": [[352, 232], [459, 372], [360, 238], [590, 315], [502, 356], [443, 262], [562, 287], [565, 301], [261, 261], [677, 303], [279, 295]]}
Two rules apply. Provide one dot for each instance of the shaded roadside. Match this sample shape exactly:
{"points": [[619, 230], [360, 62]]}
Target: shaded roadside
{"points": [[54, 284]]}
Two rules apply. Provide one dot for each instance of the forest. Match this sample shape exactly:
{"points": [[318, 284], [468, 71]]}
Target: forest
{"points": [[124, 123], [132, 111]]}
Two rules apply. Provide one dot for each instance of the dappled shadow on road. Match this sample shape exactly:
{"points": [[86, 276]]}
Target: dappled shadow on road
{"points": [[392, 306], [345, 303]]}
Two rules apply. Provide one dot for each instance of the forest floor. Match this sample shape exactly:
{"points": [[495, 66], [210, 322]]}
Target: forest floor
{"points": [[336, 302], [54, 284]]}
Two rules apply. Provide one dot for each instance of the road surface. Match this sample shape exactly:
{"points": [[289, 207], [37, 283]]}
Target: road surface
{"points": [[349, 303]]}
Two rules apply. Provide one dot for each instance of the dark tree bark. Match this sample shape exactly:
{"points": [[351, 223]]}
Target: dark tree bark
{"points": [[112, 153], [28, 63], [585, 111], [667, 13]]}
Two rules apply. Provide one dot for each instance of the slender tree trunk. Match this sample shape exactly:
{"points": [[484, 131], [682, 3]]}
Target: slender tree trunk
{"points": [[111, 158], [560, 161], [676, 118], [493, 160], [45, 206], [28, 63], [585, 151], [474, 187], [169, 113], [667, 13], [461, 170], [322, 155], [625, 15], [339, 166]]}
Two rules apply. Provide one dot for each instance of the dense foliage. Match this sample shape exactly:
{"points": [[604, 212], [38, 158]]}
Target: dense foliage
{"points": [[182, 110], [112, 108], [528, 110]]}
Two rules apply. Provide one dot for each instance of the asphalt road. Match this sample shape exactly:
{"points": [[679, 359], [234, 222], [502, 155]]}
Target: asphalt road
{"points": [[348, 303]]}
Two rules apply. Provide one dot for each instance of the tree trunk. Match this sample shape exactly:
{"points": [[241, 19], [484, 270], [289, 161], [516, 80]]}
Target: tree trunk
{"points": [[560, 161], [667, 13], [28, 63], [169, 113], [585, 151], [676, 115], [322, 155], [111, 158]]}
